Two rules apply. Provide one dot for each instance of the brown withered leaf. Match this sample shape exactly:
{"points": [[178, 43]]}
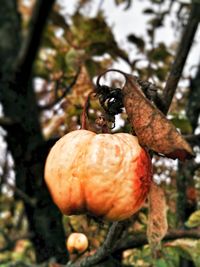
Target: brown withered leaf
{"points": [[152, 128], [157, 218]]}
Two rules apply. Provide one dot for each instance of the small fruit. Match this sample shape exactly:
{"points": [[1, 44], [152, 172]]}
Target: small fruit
{"points": [[77, 243], [106, 175]]}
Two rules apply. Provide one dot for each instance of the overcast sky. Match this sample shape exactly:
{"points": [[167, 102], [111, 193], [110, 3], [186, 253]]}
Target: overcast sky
{"points": [[130, 21]]}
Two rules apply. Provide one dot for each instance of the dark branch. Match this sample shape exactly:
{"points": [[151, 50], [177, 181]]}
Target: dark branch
{"points": [[111, 244], [31, 44], [181, 56], [18, 192], [106, 249], [193, 139], [135, 241], [193, 104], [10, 243], [195, 166], [7, 122]]}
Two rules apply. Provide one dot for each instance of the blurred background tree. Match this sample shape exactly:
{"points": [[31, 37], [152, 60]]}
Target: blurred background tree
{"points": [[48, 61]]}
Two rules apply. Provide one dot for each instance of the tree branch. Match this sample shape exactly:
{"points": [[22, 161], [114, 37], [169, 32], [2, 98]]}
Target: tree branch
{"points": [[135, 241], [10, 33], [132, 241], [24, 63], [66, 91], [193, 104], [193, 139], [6, 122], [181, 56], [18, 192], [106, 249], [11, 242]]}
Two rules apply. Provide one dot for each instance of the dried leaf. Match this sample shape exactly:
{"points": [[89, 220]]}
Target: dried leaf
{"points": [[157, 220], [151, 126]]}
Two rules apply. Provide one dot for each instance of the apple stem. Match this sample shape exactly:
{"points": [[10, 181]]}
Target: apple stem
{"points": [[103, 124], [85, 112], [105, 129]]}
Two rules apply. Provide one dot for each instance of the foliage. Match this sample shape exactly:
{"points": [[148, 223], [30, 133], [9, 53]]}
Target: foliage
{"points": [[194, 219], [187, 248], [75, 49]]}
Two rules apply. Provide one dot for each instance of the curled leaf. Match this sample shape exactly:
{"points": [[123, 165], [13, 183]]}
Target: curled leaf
{"points": [[157, 220], [152, 128]]}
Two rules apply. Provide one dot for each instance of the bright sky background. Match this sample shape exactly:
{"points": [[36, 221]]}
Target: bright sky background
{"points": [[124, 22]]}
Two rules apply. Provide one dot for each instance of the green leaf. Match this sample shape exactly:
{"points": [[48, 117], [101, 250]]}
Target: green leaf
{"points": [[72, 58], [156, 22], [128, 3], [161, 263], [157, 1], [183, 124], [194, 220], [171, 256], [138, 41], [118, 2], [40, 70], [160, 53], [94, 36], [142, 218], [187, 248], [148, 11], [161, 73]]}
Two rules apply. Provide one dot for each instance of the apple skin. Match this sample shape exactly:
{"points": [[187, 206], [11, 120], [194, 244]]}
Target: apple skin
{"points": [[77, 243], [105, 175]]}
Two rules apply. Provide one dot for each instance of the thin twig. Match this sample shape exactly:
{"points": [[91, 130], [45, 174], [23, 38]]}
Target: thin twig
{"points": [[66, 91], [181, 56], [7, 122], [5, 236], [193, 107], [85, 111], [135, 241], [22, 195], [193, 139], [105, 250], [132, 241], [11, 242]]}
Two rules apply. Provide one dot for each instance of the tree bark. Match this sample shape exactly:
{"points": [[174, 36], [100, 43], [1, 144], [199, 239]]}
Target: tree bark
{"points": [[24, 136], [186, 202], [193, 105], [184, 47]]}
